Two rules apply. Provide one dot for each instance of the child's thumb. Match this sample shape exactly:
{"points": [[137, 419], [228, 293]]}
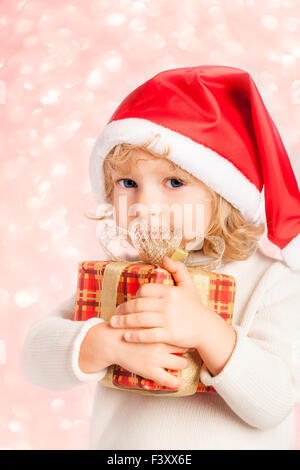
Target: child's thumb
{"points": [[179, 272]]}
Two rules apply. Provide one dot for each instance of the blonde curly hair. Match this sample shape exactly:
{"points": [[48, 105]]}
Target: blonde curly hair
{"points": [[241, 237]]}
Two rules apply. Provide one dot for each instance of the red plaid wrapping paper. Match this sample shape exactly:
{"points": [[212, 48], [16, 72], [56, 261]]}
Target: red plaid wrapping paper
{"points": [[217, 292]]}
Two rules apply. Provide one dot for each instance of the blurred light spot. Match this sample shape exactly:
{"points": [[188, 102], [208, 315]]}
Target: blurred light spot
{"points": [[14, 426], [59, 170], [21, 445], [221, 31], [28, 86], [50, 97], [296, 51], [78, 423], [27, 228], [43, 22], [55, 283], [215, 12], [156, 41], [47, 122], [31, 41], [234, 47], [9, 171], [19, 411], [21, 160], [25, 298], [69, 85], [37, 112], [186, 30], [116, 19], [42, 248], [95, 78], [23, 26], [65, 424], [138, 8], [74, 126], [60, 232], [87, 97], [4, 298], [57, 404], [274, 56], [71, 8], [67, 130], [17, 114], [46, 66], [295, 97], [49, 141], [34, 202], [85, 45], [90, 141], [110, 106], [2, 352], [55, 222], [44, 187], [291, 24], [190, 44], [64, 32], [3, 20], [275, 3], [273, 87], [21, 4], [113, 63], [270, 22], [71, 252], [288, 59], [26, 70], [137, 25]]}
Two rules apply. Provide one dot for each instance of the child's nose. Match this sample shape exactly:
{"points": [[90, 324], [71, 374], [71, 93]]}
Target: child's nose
{"points": [[147, 207], [146, 198]]}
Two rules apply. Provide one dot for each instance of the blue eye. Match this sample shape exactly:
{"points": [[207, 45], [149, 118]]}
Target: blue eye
{"points": [[129, 183], [128, 179], [176, 182]]}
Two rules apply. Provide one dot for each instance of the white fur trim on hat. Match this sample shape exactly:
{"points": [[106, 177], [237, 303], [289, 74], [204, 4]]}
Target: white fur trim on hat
{"points": [[291, 253], [202, 162]]}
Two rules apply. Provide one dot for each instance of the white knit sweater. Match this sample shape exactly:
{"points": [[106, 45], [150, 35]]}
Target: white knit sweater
{"points": [[256, 391]]}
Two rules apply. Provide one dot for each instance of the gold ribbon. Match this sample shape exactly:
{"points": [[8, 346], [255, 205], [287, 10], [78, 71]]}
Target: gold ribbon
{"points": [[111, 279]]}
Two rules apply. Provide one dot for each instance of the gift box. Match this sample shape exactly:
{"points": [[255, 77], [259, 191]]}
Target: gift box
{"points": [[103, 285]]}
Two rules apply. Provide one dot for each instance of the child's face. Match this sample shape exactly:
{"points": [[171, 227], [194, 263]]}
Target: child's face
{"points": [[152, 185]]}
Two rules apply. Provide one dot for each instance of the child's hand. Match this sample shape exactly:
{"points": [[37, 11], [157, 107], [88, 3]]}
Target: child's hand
{"points": [[104, 346], [149, 360], [166, 314]]}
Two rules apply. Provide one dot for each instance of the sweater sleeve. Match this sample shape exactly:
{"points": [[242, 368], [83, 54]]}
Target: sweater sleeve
{"points": [[50, 352], [261, 380]]}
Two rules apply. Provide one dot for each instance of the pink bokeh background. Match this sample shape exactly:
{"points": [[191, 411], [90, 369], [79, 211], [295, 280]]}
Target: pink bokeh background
{"points": [[64, 67]]}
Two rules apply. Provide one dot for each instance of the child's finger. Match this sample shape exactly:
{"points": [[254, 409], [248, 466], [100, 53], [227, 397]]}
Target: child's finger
{"points": [[181, 350], [179, 272], [168, 380]]}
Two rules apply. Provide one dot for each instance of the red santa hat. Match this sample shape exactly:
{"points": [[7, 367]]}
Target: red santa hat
{"points": [[218, 129]]}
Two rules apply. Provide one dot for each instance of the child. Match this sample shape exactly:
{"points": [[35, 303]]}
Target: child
{"points": [[218, 142]]}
